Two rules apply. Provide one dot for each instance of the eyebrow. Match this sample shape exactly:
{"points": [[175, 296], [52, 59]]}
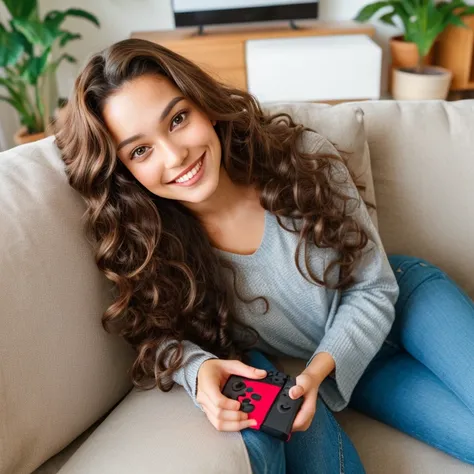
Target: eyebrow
{"points": [[163, 115]]}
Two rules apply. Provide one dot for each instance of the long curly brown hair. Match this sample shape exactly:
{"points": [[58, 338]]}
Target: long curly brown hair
{"points": [[167, 278]]}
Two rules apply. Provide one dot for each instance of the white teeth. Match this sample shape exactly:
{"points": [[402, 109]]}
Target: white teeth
{"points": [[189, 174]]}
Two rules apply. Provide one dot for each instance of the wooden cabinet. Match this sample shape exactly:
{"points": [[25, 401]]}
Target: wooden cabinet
{"points": [[455, 51], [220, 50]]}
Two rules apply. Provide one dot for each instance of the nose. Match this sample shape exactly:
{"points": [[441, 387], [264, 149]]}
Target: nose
{"points": [[173, 154]]}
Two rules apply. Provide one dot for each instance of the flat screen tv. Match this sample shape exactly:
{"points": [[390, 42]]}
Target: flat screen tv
{"points": [[213, 12]]}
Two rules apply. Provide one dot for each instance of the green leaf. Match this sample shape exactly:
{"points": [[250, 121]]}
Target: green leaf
{"points": [[370, 10], [468, 11], [67, 57], [11, 49], [82, 14], [409, 7], [456, 21], [404, 16], [21, 8], [68, 36], [9, 100], [388, 19], [36, 32], [27, 46], [36, 67]]}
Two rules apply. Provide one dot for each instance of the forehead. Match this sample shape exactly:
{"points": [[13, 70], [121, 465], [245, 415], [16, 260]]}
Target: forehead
{"points": [[136, 103]]}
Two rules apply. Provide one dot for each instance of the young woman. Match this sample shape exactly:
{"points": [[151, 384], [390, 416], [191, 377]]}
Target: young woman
{"points": [[230, 235]]}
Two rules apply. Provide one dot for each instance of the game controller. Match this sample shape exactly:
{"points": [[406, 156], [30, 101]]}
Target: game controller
{"points": [[267, 401]]}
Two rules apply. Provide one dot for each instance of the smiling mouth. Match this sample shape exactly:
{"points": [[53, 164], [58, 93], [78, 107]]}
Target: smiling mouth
{"points": [[189, 173]]}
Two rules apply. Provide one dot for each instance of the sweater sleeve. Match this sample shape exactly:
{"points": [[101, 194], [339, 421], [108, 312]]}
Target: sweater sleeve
{"points": [[362, 319], [186, 376]]}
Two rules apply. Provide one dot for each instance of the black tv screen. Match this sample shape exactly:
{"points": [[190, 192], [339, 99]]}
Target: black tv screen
{"points": [[213, 12]]}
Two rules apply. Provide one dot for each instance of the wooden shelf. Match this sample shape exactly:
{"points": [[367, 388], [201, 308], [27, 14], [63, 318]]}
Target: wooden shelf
{"points": [[220, 50]]}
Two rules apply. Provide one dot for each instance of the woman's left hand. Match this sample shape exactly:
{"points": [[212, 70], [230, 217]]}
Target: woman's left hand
{"points": [[307, 386]]}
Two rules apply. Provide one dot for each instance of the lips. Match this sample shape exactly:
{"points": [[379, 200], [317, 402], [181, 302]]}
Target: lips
{"points": [[187, 170]]}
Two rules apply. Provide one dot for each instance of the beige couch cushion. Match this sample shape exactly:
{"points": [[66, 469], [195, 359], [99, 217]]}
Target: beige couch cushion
{"points": [[59, 370], [422, 156], [156, 432]]}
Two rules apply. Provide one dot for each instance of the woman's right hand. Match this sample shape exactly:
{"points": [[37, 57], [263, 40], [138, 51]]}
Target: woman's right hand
{"points": [[224, 413]]}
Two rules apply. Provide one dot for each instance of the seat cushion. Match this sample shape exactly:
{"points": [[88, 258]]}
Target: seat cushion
{"points": [[156, 432], [153, 432]]}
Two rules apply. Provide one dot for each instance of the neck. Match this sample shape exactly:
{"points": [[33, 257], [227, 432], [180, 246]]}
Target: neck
{"points": [[226, 200]]}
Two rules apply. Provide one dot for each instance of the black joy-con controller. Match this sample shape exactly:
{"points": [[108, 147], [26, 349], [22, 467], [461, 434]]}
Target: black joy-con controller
{"points": [[267, 401]]}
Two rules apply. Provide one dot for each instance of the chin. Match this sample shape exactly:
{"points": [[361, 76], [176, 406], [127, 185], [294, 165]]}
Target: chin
{"points": [[202, 195]]}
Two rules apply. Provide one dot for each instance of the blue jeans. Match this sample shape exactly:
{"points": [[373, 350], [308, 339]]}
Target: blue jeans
{"points": [[420, 382]]}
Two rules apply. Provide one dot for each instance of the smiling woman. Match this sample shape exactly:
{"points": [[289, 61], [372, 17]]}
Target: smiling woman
{"points": [[225, 229]]}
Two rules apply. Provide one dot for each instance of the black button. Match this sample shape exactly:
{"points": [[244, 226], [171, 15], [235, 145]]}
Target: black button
{"points": [[246, 400], [284, 407], [238, 386], [247, 408], [256, 396]]}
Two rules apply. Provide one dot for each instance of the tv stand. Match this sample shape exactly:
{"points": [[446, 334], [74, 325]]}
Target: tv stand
{"points": [[220, 50], [293, 25]]}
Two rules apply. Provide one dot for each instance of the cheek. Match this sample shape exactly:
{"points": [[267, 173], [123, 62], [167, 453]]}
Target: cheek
{"points": [[151, 174]]}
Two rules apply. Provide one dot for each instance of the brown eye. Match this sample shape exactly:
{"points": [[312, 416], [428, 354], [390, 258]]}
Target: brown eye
{"points": [[139, 152], [178, 119]]}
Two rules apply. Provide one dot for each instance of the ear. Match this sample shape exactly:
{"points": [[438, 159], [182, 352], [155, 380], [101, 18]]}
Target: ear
{"points": [[214, 123]]}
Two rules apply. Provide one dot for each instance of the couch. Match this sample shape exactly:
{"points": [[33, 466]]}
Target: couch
{"points": [[66, 401]]}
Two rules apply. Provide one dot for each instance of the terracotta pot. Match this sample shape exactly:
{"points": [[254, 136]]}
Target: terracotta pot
{"points": [[405, 54], [22, 136], [410, 85]]}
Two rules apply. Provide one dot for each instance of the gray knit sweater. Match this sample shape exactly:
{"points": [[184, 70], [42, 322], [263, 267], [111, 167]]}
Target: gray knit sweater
{"points": [[304, 319]]}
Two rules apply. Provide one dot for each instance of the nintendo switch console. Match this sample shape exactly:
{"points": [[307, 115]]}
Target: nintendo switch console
{"points": [[267, 401]]}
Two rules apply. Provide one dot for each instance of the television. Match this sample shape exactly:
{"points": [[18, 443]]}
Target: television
{"points": [[213, 12]]}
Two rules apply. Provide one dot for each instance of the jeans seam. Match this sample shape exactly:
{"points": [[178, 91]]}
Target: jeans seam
{"points": [[341, 452]]}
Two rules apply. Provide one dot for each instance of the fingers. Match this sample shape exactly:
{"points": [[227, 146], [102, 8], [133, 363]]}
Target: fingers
{"points": [[226, 425], [304, 384], [221, 413], [219, 400], [237, 367], [306, 413]]}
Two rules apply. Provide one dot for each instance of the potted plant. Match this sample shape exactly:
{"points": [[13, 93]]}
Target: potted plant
{"points": [[29, 59], [423, 21]]}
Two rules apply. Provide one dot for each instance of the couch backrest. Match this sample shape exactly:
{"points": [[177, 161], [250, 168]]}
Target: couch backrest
{"points": [[422, 156]]}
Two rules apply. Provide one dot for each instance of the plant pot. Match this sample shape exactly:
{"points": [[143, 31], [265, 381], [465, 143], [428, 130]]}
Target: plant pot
{"points": [[405, 54], [432, 84], [22, 136]]}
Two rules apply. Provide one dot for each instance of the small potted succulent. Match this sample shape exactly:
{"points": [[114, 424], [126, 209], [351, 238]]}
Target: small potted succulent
{"points": [[423, 21], [29, 59]]}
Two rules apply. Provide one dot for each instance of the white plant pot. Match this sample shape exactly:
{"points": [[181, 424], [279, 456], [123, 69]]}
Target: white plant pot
{"points": [[432, 84]]}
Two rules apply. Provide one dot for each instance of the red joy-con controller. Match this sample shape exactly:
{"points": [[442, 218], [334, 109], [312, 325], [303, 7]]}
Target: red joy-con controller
{"points": [[267, 401]]}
